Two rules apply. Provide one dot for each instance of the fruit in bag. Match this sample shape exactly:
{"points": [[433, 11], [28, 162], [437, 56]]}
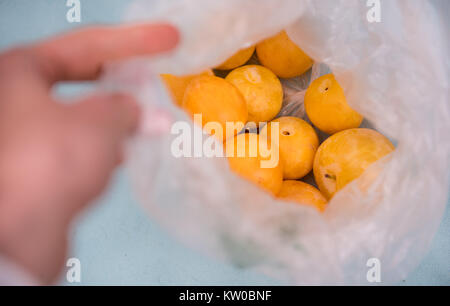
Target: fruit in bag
{"points": [[218, 101], [245, 156], [344, 156], [177, 85], [298, 143], [327, 108], [302, 193], [261, 89], [281, 55], [238, 59]]}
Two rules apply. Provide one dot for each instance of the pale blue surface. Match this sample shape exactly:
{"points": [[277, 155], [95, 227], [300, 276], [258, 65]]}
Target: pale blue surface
{"points": [[115, 242]]}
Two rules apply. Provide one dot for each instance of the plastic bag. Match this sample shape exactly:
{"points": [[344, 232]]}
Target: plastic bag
{"points": [[393, 72]]}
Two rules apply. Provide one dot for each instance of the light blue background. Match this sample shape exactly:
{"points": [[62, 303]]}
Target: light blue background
{"points": [[114, 240]]}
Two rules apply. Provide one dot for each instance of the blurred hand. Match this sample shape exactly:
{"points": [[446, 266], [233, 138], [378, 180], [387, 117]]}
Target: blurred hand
{"points": [[56, 158]]}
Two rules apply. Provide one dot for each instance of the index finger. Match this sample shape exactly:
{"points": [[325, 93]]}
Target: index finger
{"points": [[80, 55]]}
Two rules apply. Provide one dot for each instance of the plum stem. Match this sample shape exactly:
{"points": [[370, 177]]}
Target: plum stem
{"points": [[328, 176]]}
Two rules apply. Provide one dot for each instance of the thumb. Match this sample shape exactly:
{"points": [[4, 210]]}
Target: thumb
{"points": [[112, 116], [98, 127]]}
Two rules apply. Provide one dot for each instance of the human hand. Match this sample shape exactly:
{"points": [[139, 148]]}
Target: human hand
{"points": [[55, 158]]}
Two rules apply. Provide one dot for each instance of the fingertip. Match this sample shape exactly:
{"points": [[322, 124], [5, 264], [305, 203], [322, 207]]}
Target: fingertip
{"points": [[161, 37]]}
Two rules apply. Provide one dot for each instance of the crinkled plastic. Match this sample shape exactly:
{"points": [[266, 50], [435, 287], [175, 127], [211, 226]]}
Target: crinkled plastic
{"points": [[394, 72]]}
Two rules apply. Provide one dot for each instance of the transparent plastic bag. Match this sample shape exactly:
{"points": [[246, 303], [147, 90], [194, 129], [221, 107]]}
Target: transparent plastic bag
{"points": [[393, 72]]}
